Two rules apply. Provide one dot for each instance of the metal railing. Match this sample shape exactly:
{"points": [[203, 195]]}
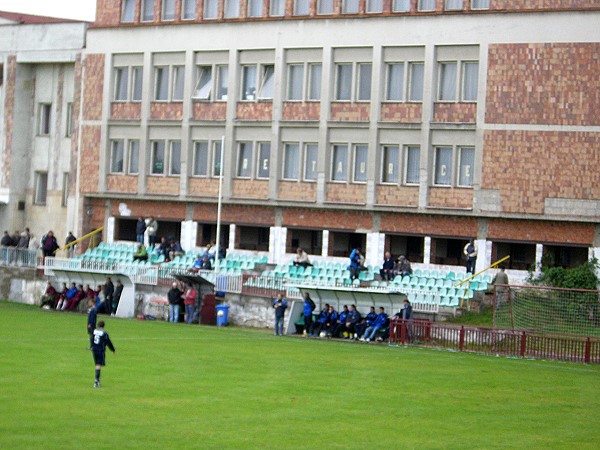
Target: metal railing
{"points": [[20, 257], [138, 274]]}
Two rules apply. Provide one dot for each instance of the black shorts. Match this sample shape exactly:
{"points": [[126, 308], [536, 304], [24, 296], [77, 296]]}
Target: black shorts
{"points": [[99, 358]]}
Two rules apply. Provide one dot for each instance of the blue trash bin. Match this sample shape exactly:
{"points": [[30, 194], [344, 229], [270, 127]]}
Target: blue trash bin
{"points": [[222, 318]]}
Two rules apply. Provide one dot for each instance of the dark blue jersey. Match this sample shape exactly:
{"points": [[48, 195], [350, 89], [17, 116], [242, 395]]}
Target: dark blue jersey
{"points": [[91, 319], [100, 340]]}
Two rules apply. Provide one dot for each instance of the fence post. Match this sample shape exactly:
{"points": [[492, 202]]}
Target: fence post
{"points": [[461, 342], [402, 332], [523, 344], [588, 350], [427, 331]]}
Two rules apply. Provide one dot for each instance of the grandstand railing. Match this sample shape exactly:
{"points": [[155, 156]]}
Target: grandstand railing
{"points": [[21, 257], [496, 341], [137, 274]]}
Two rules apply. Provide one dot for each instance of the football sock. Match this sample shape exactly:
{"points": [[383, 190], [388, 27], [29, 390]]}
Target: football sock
{"points": [[97, 374]]}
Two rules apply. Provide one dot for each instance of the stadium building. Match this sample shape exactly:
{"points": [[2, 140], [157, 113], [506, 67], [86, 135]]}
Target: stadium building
{"points": [[409, 126]]}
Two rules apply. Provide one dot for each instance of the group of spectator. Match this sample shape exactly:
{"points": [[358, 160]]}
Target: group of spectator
{"points": [[48, 243], [391, 268], [178, 295], [105, 297]]}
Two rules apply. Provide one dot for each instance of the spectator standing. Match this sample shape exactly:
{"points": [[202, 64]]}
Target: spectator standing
{"points": [[174, 297], [406, 313], [302, 259], [387, 269], [309, 307], [24, 238], [140, 229], [6, 240], [189, 300], [470, 252], [109, 290], [356, 263], [501, 282], [403, 266], [380, 322], [70, 238], [117, 297], [49, 244], [151, 229], [99, 341], [280, 305]]}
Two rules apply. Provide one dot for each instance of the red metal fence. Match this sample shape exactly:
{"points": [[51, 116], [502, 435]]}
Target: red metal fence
{"points": [[496, 341]]}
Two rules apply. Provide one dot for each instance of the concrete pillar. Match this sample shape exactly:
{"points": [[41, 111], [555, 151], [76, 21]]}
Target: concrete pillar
{"points": [[427, 250], [539, 251], [110, 230], [374, 250], [231, 245], [325, 250], [189, 230], [277, 241], [484, 254]]}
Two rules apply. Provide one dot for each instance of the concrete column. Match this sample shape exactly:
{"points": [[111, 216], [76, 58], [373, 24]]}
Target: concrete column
{"points": [[374, 250], [110, 230], [484, 254], [189, 229], [539, 251], [277, 240], [427, 250], [324, 251], [231, 246]]}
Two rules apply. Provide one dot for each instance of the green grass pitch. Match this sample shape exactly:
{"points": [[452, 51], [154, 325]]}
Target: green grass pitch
{"points": [[179, 386]]}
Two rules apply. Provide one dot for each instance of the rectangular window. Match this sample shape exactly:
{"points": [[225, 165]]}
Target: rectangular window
{"points": [[454, 5], [244, 169], [204, 84], [314, 82], [447, 85], [264, 157], [161, 90], [255, 8], [277, 7], [175, 158], [248, 82], [121, 83], [340, 163], [350, 6], [374, 6], [426, 5], [188, 9], [301, 7], [364, 82], [395, 82], [158, 157], [466, 163], [401, 6], [65, 189], [480, 4], [127, 11], [178, 79], [416, 82], [325, 6], [295, 81], [134, 156], [443, 166], [41, 188], [232, 9], [470, 81], [267, 82], [147, 10], [211, 9], [390, 163], [138, 77], [360, 163], [216, 172], [222, 75], [343, 88], [310, 161], [45, 119], [291, 161], [413, 164], [117, 156], [69, 120], [168, 9], [200, 159]]}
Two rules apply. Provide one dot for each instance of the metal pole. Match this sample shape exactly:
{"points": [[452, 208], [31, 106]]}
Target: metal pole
{"points": [[219, 204]]}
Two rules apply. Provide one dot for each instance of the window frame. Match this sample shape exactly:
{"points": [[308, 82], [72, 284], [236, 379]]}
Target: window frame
{"points": [[205, 7], [355, 148], [280, 12], [65, 189], [174, 172], [200, 68], [480, 8], [130, 153], [40, 189], [441, 79], [464, 79], [229, 9], [403, 84], [242, 172], [334, 148], [327, 13], [406, 166], [421, 8], [305, 148], [305, 4], [69, 122], [405, 10], [153, 147], [216, 147], [195, 147], [172, 82], [448, 5], [44, 119], [449, 170], [144, 9], [369, 5], [164, 12], [298, 166], [459, 150], [117, 145], [345, 8], [385, 164], [131, 5], [355, 81], [410, 82], [184, 3], [249, 9], [260, 145], [135, 75], [459, 82]]}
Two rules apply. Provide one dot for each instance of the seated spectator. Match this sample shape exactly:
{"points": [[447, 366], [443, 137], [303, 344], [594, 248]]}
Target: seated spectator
{"points": [[368, 320], [387, 269], [330, 322], [197, 264], [352, 321], [357, 261], [317, 327], [90, 293], [403, 266], [338, 324], [49, 297], [163, 248], [380, 322], [206, 263], [141, 254], [174, 250], [79, 295], [66, 298], [302, 259]]}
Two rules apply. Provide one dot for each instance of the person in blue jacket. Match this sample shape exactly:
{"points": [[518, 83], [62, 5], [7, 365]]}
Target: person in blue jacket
{"points": [[280, 305], [352, 321], [380, 322], [309, 307], [356, 262], [366, 323], [332, 319], [317, 326], [337, 325]]}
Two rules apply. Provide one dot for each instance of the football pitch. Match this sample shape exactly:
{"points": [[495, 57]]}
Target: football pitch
{"points": [[178, 386]]}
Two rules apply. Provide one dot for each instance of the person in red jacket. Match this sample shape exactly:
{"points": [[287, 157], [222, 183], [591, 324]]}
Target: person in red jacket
{"points": [[189, 300]]}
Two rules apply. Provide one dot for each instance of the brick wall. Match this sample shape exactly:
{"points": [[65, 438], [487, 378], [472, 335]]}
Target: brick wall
{"points": [[122, 183], [254, 111], [353, 112], [346, 193], [455, 112], [90, 155], [422, 224], [156, 209], [93, 85], [166, 111], [292, 190], [524, 5], [250, 215], [552, 84], [301, 111], [126, 111], [541, 231], [397, 195], [162, 185], [9, 111], [250, 189], [401, 112], [551, 164], [203, 187], [209, 111], [451, 197], [327, 219]]}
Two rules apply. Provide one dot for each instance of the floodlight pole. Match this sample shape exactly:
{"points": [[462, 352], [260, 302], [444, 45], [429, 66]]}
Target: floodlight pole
{"points": [[219, 204]]}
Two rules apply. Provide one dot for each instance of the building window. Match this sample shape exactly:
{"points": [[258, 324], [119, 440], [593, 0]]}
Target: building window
{"points": [[188, 9], [232, 9], [168, 9], [480, 4], [127, 11], [161, 91], [360, 163], [248, 82], [264, 157], [374, 6], [340, 163], [40, 188], [158, 157], [325, 6], [121, 83], [267, 82], [290, 161], [222, 82], [178, 79], [277, 8], [244, 169], [147, 10], [447, 84], [343, 88], [169, 80], [448, 81], [117, 156], [69, 120], [453, 5], [391, 161], [443, 166], [200, 159], [204, 84], [395, 82], [412, 164], [295, 81], [297, 89], [470, 81], [426, 5], [364, 82], [211, 9], [466, 160], [175, 158], [314, 81], [65, 189], [401, 6], [138, 77], [45, 119], [128, 84], [255, 8], [216, 159], [350, 6], [311, 152], [415, 91], [134, 156], [301, 7]]}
